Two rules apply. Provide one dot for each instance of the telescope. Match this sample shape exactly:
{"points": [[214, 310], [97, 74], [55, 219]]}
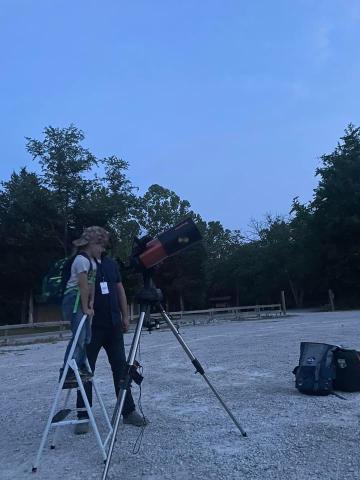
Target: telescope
{"points": [[149, 252]]}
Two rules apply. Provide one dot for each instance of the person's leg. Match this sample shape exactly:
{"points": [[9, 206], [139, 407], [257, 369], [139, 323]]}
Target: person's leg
{"points": [[87, 340], [74, 319], [115, 350], [92, 351]]}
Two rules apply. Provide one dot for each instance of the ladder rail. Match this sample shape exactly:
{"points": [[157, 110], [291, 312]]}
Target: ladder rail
{"points": [[71, 363]]}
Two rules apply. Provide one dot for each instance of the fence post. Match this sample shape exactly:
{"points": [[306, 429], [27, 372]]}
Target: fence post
{"points": [[283, 303]]}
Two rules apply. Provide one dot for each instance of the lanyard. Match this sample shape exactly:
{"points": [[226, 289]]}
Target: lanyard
{"points": [[103, 284], [101, 271]]}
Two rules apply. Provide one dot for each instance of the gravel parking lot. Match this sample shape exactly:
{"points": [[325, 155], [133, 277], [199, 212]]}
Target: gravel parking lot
{"points": [[290, 436]]}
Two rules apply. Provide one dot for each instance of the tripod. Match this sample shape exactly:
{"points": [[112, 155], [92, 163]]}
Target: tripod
{"points": [[150, 296]]}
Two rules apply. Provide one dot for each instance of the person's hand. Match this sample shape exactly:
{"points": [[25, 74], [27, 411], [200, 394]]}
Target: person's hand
{"points": [[125, 323], [88, 311]]}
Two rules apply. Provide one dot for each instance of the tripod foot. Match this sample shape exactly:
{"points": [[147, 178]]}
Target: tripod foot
{"points": [[52, 447], [34, 469]]}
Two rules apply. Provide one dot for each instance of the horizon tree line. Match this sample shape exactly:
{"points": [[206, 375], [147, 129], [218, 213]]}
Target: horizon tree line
{"points": [[314, 248]]}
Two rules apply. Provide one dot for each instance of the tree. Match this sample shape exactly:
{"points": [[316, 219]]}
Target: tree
{"points": [[109, 201], [41, 214], [161, 209], [81, 196], [181, 276], [27, 216], [220, 245], [63, 161], [336, 215]]}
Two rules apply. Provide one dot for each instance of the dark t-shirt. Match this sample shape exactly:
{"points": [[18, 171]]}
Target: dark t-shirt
{"points": [[107, 307]]}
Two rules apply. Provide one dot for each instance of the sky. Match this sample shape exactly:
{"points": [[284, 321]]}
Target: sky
{"points": [[230, 103]]}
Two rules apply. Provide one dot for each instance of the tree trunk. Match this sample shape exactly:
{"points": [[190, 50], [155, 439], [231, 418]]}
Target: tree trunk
{"points": [[66, 233], [295, 293], [181, 300], [31, 308], [24, 305], [301, 298], [331, 299], [283, 302]]}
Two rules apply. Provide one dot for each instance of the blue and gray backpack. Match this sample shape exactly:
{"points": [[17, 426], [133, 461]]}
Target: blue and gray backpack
{"points": [[316, 371]]}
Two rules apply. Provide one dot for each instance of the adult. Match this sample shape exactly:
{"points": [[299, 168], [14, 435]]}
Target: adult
{"points": [[109, 323]]}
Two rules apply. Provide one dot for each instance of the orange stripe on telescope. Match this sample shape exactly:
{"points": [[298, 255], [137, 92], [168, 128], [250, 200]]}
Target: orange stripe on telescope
{"points": [[154, 254]]}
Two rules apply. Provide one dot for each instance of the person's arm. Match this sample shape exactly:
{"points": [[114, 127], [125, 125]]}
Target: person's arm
{"points": [[85, 293], [91, 288], [123, 305]]}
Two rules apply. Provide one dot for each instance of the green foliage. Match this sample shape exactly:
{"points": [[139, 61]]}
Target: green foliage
{"points": [[336, 215], [80, 196], [182, 277], [64, 162], [28, 239], [315, 248], [160, 209]]}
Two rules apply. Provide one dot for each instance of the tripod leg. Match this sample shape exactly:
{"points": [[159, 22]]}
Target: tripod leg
{"points": [[126, 383], [199, 367]]}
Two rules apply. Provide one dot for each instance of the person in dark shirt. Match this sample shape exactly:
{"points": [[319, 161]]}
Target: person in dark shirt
{"points": [[109, 322]]}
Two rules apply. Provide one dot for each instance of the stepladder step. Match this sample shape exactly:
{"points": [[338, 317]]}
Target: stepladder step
{"points": [[72, 382]]}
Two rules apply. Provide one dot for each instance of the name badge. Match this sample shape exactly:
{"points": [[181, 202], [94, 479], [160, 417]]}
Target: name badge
{"points": [[104, 288]]}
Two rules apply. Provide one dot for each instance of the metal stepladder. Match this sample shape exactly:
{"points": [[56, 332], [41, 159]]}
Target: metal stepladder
{"points": [[59, 419]]}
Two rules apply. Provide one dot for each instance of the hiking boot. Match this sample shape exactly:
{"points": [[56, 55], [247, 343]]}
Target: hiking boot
{"points": [[81, 428], [134, 418]]}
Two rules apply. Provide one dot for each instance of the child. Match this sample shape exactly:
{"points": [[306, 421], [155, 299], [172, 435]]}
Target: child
{"points": [[78, 297]]}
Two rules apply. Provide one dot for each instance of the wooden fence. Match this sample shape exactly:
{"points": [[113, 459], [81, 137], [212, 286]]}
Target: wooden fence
{"points": [[58, 329]]}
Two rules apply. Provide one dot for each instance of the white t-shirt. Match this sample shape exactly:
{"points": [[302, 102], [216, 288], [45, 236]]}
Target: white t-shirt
{"points": [[80, 264]]}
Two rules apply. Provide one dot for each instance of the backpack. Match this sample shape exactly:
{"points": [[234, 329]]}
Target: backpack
{"points": [[316, 371], [347, 364], [54, 283]]}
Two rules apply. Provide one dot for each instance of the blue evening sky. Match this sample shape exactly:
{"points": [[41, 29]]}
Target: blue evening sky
{"points": [[229, 103]]}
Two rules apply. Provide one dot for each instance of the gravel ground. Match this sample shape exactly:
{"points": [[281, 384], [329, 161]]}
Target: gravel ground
{"points": [[290, 436]]}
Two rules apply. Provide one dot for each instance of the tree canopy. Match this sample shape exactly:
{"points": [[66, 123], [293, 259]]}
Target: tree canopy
{"points": [[313, 248]]}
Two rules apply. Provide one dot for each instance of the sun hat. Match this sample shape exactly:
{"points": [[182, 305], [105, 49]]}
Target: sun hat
{"points": [[92, 234]]}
